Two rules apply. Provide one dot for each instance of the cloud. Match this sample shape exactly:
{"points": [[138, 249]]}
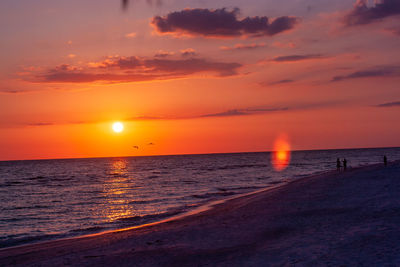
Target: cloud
{"points": [[12, 91], [242, 47], [17, 91], [220, 23], [243, 112], [250, 111], [284, 45], [294, 58], [284, 81], [125, 3], [393, 30], [136, 69], [130, 35], [362, 14], [147, 118], [389, 104], [38, 124], [227, 113], [162, 53], [188, 52], [383, 71]]}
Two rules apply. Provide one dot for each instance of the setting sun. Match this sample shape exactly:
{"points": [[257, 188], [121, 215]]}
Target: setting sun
{"points": [[117, 127]]}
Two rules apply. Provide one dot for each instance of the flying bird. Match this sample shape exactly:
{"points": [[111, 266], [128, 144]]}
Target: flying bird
{"points": [[135, 147]]}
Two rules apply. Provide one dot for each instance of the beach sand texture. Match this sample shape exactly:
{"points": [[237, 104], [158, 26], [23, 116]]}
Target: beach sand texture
{"points": [[336, 219]]}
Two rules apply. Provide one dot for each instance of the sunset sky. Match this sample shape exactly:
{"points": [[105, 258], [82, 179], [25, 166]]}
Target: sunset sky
{"points": [[196, 76]]}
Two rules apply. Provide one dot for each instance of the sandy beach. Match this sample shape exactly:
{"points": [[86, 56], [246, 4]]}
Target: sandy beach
{"points": [[347, 218]]}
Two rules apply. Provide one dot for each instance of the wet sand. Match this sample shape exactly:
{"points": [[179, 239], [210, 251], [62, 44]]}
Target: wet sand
{"points": [[346, 218]]}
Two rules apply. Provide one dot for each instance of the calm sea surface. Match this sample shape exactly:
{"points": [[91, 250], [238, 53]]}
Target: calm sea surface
{"points": [[48, 199]]}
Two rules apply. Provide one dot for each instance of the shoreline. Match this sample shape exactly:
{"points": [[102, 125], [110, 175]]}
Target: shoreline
{"points": [[207, 205], [214, 212], [199, 209]]}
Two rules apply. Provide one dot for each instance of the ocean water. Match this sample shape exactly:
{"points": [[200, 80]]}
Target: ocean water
{"points": [[50, 199]]}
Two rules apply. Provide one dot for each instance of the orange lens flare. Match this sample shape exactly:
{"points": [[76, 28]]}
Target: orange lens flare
{"points": [[280, 157]]}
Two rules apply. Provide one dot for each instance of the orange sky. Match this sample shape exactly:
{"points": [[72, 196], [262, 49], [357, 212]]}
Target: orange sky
{"points": [[186, 77]]}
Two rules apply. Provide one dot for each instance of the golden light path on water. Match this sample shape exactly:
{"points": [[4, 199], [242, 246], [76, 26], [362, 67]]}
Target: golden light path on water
{"points": [[280, 157], [115, 188]]}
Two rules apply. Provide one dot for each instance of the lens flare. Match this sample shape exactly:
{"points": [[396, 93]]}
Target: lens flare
{"points": [[280, 157]]}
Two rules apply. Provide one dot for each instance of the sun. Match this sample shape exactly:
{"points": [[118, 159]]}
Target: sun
{"points": [[117, 127]]}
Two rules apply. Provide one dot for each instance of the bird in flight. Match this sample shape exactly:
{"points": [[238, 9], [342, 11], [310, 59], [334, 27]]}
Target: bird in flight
{"points": [[135, 147]]}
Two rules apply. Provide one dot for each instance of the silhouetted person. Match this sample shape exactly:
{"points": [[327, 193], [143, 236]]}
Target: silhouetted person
{"points": [[344, 164], [385, 160], [338, 164]]}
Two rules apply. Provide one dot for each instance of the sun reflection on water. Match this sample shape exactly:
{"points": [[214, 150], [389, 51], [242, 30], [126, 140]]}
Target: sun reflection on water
{"points": [[116, 188]]}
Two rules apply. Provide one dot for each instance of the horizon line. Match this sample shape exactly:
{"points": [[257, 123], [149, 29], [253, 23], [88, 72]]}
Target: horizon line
{"points": [[194, 154]]}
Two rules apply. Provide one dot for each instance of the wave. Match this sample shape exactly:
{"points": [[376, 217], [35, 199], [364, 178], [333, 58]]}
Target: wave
{"points": [[151, 217], [237, 166], [88, 229], [145, 201], [238, 188], [211, 195], [12, 183], [16, 241], [275, 182], [27, 207]]}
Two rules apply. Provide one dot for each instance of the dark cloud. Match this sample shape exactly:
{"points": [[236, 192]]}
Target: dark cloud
{"points": [[227, 113], [162, 54], [389, 104], [242, 47], [12, 91], [362, 14], [147, 118], [135, 69], [293, 58], [41, 124], [243, 112], [191, 66], [276, 82], [385, 71], [220, 23]]}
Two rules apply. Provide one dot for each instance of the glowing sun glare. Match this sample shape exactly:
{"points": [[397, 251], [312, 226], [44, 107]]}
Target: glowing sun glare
{"points": [[117, 127], [281, 155]]}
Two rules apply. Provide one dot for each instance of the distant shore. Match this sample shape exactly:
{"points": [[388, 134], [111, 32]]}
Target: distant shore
{"points": [[334, 218]]}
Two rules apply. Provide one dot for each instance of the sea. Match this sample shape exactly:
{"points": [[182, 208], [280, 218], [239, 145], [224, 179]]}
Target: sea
{"points": [[51, 199]]}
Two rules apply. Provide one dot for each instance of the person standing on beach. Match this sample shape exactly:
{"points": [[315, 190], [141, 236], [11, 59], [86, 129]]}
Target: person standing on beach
{"points": [[385, 160], [338, 164], [344, 164]]}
